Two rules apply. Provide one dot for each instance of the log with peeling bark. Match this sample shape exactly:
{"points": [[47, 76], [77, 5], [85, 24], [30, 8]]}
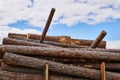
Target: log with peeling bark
{"points": [[6, 75], [66, 39], [62, 39], [15, 35], [61, 52], [87, 42], [15, 59]]}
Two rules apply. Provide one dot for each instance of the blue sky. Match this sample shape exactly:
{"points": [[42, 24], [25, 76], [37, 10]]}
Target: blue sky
{"points": [[79, 30], [81, 19]]}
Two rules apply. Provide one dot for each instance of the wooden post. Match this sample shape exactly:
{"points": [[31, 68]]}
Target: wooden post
{"points": [[46, 72], [98, 39], [47, 24], [102, 68]]}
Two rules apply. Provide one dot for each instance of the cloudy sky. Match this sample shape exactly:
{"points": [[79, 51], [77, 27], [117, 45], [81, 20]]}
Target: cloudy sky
{"points": [[82, 19]]}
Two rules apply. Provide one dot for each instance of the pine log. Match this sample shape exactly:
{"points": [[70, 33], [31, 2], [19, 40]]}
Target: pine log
{"points": [[20, 60], [15, 35], [0, 62], [20, 69], [108, 66], [62, 39], [47, 25], [6, 75], [98, 39], [97, 49], [36, 43], [27, 70], [11, 41], [61, 52]]}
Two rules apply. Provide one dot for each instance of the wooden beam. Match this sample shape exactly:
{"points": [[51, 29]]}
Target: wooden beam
{"points": [[47, 24], [102, 68]]}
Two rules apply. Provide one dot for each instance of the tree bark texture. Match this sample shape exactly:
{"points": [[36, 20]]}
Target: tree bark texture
{"points": [[6, 75], [61, 52], [63, 39], [30, 42], [20, 60], [0, 62], [97, 41], [108, 66], [11, 41], [15, 35], [1, 52]]}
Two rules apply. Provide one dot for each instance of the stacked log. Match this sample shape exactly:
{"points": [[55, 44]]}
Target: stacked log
{"points": [[60, 39], [23, 57]]}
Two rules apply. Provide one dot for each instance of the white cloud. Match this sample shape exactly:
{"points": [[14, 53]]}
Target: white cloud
{"points": [[68, 12], [113, 44], [4, 30]]}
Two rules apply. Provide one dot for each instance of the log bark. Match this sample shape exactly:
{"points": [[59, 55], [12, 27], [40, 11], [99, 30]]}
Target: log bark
{"points": [[20, 69], [20, 60], [36, 43], [98, 39], [108, 66], [6, 75], [84, 42], [0, 62], [47, 24], [1, 52], [12, 41], [61, 52], [62, 39], [15, 35]]}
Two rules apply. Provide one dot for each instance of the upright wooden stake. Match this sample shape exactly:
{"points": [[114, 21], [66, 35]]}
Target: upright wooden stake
{"points": [[47, 25], [98, 39], [46, 72], [102, 68]]}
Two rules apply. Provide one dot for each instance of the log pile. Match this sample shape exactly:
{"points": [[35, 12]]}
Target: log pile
{"points": [[41, 57], [25, 59]]}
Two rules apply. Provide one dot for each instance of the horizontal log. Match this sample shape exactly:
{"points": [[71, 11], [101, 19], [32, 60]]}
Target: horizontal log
{"points": [[61, 52], [62, 39], [97, 49], [20, 69], [6, 75], [16, 35], [68, 40], [12, 41], [108, 66], [27, 70], [20, 60], [84, 42], [36, 43]]}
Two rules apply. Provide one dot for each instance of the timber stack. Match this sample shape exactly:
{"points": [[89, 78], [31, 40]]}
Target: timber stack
{"points": [[41, 57]]}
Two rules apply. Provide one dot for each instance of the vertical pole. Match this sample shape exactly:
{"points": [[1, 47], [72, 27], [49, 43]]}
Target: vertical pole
{"points": [[98, 39], [102, 68], [47, 25], [46, 72]]}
